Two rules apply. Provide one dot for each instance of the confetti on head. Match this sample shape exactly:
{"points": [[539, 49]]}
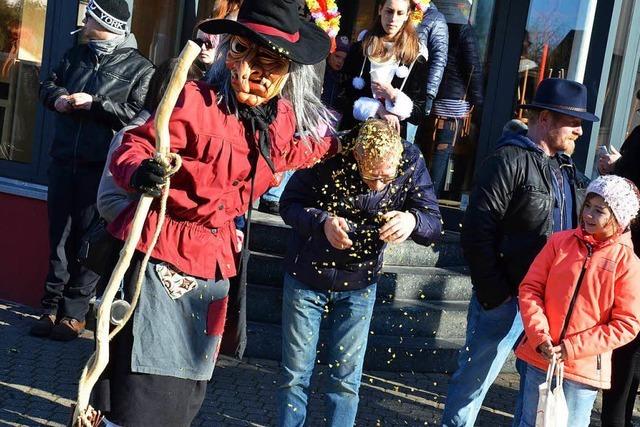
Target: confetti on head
{"points": [[377, 143]]}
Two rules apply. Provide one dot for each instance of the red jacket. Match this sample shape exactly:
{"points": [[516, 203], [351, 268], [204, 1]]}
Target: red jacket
{"points": [[213, 185], [606, 312]]}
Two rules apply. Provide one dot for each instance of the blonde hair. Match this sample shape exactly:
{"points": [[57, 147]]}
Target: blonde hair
{"points": [[406, 45], [378, 142]]}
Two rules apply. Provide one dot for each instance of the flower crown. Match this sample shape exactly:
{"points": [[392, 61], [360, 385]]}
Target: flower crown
{"points": [[421, 7], [326, 15]]}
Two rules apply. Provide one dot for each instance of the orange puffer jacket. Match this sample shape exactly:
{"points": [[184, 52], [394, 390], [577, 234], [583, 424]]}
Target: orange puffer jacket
{"points": [[601, 280]]}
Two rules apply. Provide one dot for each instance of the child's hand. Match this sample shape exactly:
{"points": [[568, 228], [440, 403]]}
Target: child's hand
{"points": [[546, 349], [561, 352]]}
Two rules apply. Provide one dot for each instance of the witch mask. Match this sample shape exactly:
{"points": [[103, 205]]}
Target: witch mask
{"points": [[257, 74]]}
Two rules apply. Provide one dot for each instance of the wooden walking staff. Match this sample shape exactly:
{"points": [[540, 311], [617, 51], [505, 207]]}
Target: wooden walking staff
{"points": [[84, 415]]}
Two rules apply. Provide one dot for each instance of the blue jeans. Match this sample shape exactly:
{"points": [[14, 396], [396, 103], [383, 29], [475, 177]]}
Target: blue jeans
{"points": [[580, 399], [491, 335], [273, 194], [349, 315]]}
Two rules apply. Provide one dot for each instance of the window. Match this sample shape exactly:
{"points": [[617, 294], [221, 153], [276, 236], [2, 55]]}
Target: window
{"points": [[614, 101], [21, 44], [156, 29], [556, 43]]}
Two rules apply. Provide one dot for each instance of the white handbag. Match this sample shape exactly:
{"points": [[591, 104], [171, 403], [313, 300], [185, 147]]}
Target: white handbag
{"points": [[552, 405]]}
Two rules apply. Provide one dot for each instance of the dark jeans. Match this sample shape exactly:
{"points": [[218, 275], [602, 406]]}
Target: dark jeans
{"points": [[446, 132], [618, 401], [71, 204]]}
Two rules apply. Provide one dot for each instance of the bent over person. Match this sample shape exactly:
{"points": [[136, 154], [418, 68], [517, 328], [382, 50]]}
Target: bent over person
{"points": [[95, 91], [233, 135], [343, 213]]}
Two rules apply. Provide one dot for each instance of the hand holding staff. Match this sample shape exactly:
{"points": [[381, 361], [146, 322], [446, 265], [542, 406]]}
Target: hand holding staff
{"points": [[84, 415]]}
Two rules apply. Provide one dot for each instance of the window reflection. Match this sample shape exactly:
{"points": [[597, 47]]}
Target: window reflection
{"points": [[21, 43], [556, 43], [613, 83], [155, 28]]}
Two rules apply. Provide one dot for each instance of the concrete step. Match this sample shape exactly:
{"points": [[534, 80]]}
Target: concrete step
{"points": [[402, 318], [396, 282], [269, 234]]}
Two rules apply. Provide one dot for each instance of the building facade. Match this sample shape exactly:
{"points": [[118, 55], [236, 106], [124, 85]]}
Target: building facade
{"points": [[518, 43]]}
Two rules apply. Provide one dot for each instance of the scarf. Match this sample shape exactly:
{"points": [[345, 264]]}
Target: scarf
{"points": [[258, 119], [596, 244], [106, 47]]}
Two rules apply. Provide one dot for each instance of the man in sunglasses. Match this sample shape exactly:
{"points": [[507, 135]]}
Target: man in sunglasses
{"points": [[343, 213]]}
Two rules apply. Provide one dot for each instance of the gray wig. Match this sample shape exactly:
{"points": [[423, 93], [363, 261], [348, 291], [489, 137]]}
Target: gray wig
{"points": [[310, 113]]}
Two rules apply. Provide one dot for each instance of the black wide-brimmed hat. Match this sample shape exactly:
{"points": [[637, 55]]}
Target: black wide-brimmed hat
{"points": [[275, 24], [562, 96]]}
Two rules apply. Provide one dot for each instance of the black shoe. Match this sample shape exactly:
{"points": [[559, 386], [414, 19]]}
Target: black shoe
{"points": [[67, 330], [43, 326], [270, 207]]}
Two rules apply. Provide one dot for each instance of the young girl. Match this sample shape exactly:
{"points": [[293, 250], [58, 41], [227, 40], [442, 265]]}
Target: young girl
{"points": [[581, 299], [386, 71]]}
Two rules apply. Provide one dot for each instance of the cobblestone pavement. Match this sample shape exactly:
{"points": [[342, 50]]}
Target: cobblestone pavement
{"points": [[38, 380]]}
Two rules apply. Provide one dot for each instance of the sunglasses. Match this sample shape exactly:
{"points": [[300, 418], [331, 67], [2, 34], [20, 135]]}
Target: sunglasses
{"points": [[383, 179], [206, 43]]}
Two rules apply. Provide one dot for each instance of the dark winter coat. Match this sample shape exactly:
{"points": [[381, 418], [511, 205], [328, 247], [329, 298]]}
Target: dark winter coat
{"points": [[463, 67], [336, 186], [628, 166], [333, 88], [510, 216], [118, 84], [434, 34], [413, 88]]}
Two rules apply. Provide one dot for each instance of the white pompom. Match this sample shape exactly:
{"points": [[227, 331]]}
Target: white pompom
{"points": [[402, 71], [358, 83], [365, 108]]}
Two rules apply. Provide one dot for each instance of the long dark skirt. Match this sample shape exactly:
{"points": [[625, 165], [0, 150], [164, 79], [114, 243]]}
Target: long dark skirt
{"points": [[136, 399]]}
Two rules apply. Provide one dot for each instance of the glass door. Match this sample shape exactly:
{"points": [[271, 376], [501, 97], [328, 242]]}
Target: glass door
{"points": [[21, 44], [556, 44]]}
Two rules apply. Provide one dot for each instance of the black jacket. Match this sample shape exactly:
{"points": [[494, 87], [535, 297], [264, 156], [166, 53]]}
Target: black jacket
{"points": [[434, 34], [463, 67], [413, 88], [118, 83], [628, 166], [510, 216], [336, 186]]}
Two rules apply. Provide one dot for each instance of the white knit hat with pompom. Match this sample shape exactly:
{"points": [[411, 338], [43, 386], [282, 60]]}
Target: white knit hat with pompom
{"points": [[620, 194]]}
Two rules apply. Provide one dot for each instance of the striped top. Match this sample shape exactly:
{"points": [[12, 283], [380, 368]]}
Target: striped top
{"points": [[456, 108]]}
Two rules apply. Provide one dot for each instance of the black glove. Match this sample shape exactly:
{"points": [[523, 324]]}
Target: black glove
{"points": [[149, 177], [428, 104]]}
